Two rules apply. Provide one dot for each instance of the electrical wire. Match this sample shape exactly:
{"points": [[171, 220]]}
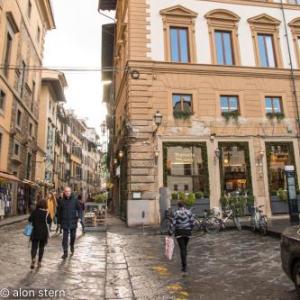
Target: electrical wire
{"points": [[63, 69]]}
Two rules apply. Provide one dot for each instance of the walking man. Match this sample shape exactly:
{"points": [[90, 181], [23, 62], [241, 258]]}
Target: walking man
{"points": [[70, 211]]}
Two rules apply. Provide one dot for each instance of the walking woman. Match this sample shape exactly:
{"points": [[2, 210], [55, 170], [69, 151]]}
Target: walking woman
{"points": [[182, 226], [40, 219], [52, 205]]}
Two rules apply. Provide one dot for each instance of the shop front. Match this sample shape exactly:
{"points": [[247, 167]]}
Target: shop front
{"points": [[186, 173], [8, 187], [235, 172], [279, 155]]}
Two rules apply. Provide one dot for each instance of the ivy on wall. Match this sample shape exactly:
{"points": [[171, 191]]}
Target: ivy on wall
{"points": [[204, 171]]}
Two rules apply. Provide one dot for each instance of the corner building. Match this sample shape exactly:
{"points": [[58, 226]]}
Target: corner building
{"points": [[225, 77]]}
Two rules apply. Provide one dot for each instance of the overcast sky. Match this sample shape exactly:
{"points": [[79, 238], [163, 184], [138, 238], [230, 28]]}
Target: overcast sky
{"points": [[76, 42]]}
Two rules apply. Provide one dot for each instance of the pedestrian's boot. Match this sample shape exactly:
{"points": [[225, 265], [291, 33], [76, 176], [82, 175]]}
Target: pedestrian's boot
{"points": [[32, 264], [39, 264], [72, 250], [65, 255]]}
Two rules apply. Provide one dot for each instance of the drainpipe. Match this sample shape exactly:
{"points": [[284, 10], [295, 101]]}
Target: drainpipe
{"points": [[292, 70]]}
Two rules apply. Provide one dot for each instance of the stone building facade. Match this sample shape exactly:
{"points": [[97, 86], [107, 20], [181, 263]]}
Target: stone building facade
{"points": [[225, 77], [23, 25]]}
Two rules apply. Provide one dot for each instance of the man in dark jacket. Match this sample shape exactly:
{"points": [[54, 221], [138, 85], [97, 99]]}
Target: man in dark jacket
{"points": [[70, 212]]}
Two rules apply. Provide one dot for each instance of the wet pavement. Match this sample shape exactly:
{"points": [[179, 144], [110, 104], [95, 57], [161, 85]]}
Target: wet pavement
{"points": [[125, 264]]}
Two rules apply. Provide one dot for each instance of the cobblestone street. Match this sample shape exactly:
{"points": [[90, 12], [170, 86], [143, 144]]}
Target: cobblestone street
{"points": [[124, 264]]}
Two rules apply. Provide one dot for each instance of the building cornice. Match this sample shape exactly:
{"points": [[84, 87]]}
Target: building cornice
{"points": [[258, 3], [203, 69], [47, 12]]}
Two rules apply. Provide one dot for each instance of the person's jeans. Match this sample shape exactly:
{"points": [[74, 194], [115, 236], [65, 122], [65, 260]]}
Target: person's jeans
{"points": [[65, 241], [35, 245], [183, 242]]}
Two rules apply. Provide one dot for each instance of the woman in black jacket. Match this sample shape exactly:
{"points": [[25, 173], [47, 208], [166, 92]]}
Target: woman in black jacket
{"points": [[40, 220]]}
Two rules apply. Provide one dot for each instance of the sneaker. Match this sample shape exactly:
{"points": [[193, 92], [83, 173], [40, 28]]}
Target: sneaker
{"points": [[64, 256]]}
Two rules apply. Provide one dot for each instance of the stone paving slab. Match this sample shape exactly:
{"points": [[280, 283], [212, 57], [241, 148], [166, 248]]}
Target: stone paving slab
{"points": [[122, 264]]}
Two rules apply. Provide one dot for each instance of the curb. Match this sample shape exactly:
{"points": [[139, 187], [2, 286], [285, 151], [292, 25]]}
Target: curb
{"points": [[270, 232], [13, 220]]}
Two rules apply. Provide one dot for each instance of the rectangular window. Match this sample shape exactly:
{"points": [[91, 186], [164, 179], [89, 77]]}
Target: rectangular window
{"points": [[179, 45], [1, 137], [224, 49], [33, 95], [2, 100], [21, 82], [29, 9], [185, 167], [19, 118], [266, 50], [7, 52], [30, 129], [182, 103], [235, 167], [38, 34], [229, 104], [28, 166], [16, 150], [273, 105], [279, 155]]}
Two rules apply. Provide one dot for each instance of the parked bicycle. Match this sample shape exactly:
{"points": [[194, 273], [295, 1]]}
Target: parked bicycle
{"points": [[259, 221], [207, 224], [228, 214], [166, 221]]}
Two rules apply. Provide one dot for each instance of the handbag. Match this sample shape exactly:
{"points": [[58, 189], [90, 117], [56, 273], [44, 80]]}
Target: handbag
{"points": [[28, 229], [169, 247]]}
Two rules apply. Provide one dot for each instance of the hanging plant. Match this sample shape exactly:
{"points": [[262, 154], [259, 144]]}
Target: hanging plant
{"points": [[182, 114], [231, 115], [278, 116]]}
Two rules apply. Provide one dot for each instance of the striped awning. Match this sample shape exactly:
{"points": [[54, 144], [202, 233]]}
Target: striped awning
{"points": [[107, 4]]}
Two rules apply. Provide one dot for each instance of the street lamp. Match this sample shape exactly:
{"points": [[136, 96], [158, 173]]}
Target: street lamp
{"points": [[158, 118], [121, 154]]}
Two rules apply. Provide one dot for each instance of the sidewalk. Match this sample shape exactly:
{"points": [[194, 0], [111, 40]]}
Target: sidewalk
{"points": [[13, 220], [275, 226]]}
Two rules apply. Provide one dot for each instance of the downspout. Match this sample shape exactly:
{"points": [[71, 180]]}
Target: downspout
{"points": [[292, 70]]}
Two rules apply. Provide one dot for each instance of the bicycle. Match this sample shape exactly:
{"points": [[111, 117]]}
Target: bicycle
{"points": [[229, 215], [207, 224], [259, 220], [166, 221]]}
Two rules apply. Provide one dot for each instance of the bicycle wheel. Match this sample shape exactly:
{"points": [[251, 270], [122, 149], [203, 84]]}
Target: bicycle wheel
{"points": [[263, 226], [252, 225], [212, 225], [237, 223], [197, 225], [164, 226]]}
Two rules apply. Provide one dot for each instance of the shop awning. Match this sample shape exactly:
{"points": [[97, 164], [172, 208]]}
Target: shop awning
{"points": [[107, 4], [8, 176]]}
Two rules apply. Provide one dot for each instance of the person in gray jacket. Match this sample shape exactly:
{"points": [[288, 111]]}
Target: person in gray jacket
{"points": [[181, 226]]}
